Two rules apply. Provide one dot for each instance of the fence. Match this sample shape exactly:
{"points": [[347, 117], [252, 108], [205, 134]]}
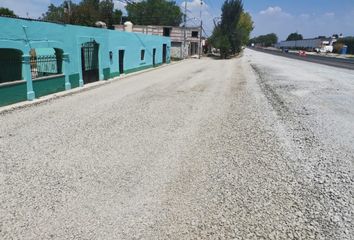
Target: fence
{"points": [[43, 66]]}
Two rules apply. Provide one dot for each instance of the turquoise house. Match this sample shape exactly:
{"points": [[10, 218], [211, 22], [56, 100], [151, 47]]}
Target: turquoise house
{"points": [[40, 58]]}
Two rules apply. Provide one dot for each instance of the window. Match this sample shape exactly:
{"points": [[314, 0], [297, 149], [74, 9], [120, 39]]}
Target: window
{"points": [[167, 32], [176, 44], [10, 65], [195, 34], [142, 55], [46, 62]]}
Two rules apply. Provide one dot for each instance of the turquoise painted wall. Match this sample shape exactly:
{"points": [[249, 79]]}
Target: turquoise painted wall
{"points": [[25, 35]]}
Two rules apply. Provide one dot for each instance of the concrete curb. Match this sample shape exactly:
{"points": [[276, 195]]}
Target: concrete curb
{"points": [[21, 105]]}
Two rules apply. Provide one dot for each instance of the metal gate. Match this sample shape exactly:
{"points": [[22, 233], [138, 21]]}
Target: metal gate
{"points": [[89, 60]]}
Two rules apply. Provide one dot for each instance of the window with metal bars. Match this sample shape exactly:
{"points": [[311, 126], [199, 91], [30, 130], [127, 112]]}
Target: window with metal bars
{"points": [[46, 65]]}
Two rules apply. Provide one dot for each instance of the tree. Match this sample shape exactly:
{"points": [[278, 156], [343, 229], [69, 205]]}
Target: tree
{"points": [[231, 32], [7, 12], [87, 13], [106, 10], [117, 16], [54, 13], [220, 41], [265, 40], [230, 17], [154, 12], [349, 42], [245, 27], [294, 37]]}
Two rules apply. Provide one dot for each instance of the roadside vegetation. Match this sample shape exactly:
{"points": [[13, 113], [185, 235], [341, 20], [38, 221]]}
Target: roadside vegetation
{"points": [[265, 40], [7, 12], [85, 13], [234, 29], [89, 12], [348, 41], [154, 12], [294, 37]]}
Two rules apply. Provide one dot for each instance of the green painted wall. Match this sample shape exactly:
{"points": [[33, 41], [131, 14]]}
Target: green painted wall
{"points": [[137, 69], [13, 94], [106, 73], [74, 80], [114, 74], [48, 86]]}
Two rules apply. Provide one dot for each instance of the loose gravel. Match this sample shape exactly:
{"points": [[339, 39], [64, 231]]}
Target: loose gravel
{"points": [[258, 147]]}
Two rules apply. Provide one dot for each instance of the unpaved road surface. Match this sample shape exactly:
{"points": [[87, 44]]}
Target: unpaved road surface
{"points": [[347, 63], [258, 147]]}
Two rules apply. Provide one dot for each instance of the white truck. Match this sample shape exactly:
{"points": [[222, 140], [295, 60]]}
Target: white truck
{"points": [[326, 46]]}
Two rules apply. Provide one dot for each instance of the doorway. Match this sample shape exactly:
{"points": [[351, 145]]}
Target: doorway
{"points": [[121, 61], [164, 53], [154, 57], [89, 62]]}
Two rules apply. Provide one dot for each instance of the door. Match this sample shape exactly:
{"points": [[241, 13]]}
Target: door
{"points": [[89, 61], [121, 61], [154, 57], [164, 53]]}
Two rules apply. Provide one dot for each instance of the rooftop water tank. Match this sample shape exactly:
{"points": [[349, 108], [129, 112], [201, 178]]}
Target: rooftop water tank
{"points": [[128, 26]]}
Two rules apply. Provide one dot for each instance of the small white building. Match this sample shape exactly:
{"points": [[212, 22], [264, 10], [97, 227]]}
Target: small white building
{"points": [[184, 41]]}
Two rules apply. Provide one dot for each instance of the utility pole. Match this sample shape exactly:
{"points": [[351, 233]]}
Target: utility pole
{"points": [[67, 10], [201, 29], [185, 29]]}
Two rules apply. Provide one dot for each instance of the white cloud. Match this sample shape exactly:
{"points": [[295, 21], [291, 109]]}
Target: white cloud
{"points": [[271, 11], [275, 12], [329, 14], [305, 16], [194, 4]]}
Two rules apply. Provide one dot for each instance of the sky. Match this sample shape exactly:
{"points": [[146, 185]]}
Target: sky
{"points": [[311, 18]]}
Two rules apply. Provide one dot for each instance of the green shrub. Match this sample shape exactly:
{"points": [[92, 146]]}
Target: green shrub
{"points": [[349, 41]]}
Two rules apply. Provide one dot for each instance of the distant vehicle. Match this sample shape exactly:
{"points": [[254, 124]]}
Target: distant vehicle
{"points": [[302, 53], [320, 44], [285, 50], [327, 47]]}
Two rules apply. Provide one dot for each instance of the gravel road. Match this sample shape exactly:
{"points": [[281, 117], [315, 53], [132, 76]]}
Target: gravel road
{"points": [[258, 147]]}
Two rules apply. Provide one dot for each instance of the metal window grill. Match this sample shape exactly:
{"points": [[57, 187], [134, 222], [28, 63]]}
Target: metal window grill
{"points": [[42, 66]]}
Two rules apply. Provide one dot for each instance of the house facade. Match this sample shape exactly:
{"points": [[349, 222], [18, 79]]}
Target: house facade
{"points": [[39, 58], [179, 50]]}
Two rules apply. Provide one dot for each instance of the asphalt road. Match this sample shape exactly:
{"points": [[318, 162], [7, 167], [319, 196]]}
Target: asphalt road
{"points": [[248, 148], [329, 61]]}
